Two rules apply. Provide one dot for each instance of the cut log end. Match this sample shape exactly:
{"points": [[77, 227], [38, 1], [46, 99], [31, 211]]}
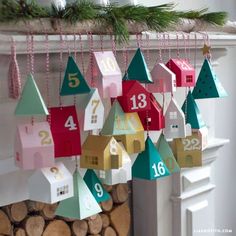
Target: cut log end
{"points": [[5, 226], [34, 225], [79, 228], [107, 205], [95, 224], [56, 228], [109, 231]]}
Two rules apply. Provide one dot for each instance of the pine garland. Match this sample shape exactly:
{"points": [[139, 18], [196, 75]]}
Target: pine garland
{"points": [[157, 18]]}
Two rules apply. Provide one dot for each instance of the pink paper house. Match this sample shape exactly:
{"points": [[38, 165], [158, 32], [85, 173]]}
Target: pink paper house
{"points": [[34, 146], [105, 74], [185, 73]]}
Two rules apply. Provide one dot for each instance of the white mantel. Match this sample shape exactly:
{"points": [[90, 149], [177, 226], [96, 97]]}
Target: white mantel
{"points": [[155, 202]]}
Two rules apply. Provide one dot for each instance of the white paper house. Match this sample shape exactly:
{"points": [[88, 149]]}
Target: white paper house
{"points": [[51, 184], [116, 176], [175, 126], [164, 79], [90, 111]]}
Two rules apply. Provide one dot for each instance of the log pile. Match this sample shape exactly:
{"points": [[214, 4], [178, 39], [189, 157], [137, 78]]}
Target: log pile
{"points": [[31, 218]]}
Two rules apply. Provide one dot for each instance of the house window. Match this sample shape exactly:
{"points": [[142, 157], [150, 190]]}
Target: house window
{"points": [[174, 128], [94, 119], [62, 190], [92, 160], [102, 174], [189, 78], [173, 115]]}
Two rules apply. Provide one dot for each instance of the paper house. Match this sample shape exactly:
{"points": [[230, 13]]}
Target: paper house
{"points": [[74, 82], [164, 79], [175, 126], [185, 73], [105, 74], [65, 131], [121, 175], [193, 115], [95, 186], [208, 85], [135, 97], [31, 102], [90, 110], [116, 122], [138, 69], [82, 204], [148, 164], [101, 153], [51, 184], [34, 146], [167, 155], [133, 143], [153, 119]]}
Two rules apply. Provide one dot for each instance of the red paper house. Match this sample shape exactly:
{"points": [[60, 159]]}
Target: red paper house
{"points": [[185, 73], [153, 117], [135, 97], [65, 131]]}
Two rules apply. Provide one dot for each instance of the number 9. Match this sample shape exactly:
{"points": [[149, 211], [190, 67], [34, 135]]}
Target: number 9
{"points": [[99, 189]]}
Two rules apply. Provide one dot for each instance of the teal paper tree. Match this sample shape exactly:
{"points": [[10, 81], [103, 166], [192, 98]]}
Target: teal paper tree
{"points": [[208, 85], [193, 115], [167, 155], [116, 122], [149, 164], [95, 186], [74, 82], [82, 204], [31, 102], [138, 69]]}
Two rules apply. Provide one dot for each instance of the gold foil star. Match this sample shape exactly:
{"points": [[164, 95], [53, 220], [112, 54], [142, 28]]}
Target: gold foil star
{"points": [[206, 49]]}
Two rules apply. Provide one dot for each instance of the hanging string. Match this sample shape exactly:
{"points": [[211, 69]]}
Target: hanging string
{"points": [[61, 65], [47, 69], [75, 48], [113, 44], [81, 53], [185, 46], [177, 45], [160, 48], [101, 42], [195, 50], [168, 43], [91, 49]]}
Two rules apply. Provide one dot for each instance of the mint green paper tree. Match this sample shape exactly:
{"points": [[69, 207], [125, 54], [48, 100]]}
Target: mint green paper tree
{"points": [[95, 186], [82, 204], [149, 164], [138, 69], [208, 85], [74, 82], [31, 102], [167, 155], [193, 115]]}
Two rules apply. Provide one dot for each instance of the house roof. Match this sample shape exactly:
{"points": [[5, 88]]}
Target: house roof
{"points": [[173, 105], [83, 99], [129, 85], [98, 142], [155, 103], [161, 67]]}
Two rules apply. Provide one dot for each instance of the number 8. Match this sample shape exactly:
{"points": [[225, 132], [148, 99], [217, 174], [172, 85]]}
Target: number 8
{"points": [[113, 147]]}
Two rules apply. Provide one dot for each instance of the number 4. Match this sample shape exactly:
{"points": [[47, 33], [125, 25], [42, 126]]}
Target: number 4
{"points": [[70, 123]]}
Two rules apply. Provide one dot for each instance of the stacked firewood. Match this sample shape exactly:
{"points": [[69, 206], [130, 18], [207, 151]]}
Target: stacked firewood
{"points": [[35, 218]]}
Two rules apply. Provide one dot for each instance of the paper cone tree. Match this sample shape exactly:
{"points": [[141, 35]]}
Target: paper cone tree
{"points": [[167, 155], [82, 205], [117, 122], [208, 85], [148, 164], [193, 115], [74, 82], [31, 102], [138, 69], [95, 186]]}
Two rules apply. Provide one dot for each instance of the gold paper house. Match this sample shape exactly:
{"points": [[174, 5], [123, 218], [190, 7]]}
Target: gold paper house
{"points": [[133, 142], [101, 153]]}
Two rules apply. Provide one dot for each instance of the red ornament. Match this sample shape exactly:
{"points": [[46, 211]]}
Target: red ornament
{"points": [[154, 117], [135, 97], [65, 131], [185, 73]]}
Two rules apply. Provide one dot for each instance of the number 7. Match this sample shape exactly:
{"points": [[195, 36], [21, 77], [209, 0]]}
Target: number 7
{"points": [[95, 103]]}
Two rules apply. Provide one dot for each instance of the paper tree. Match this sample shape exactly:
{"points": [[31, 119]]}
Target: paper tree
{"points": [[95, 186], [31, 102], [116, 122], [193, 115], [138, 69], [82, 204], [167, 155], [74, 82], [149, 164], [208, 85]]}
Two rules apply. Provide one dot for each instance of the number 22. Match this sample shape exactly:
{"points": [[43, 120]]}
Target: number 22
{"points": [[193, 144]]}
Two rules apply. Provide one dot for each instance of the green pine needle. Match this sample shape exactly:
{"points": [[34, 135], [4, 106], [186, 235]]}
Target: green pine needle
{"points": [[215, 18]]}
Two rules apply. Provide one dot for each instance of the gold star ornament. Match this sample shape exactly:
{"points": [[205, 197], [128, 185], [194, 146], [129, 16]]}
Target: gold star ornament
{"points": [[206, 49]]}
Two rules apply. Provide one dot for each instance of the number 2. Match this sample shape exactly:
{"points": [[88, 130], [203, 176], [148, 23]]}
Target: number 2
{"points": [[193, 144], [99, 189], [70, 123], [74, 81], [142, 102], [159, 169], [46, 139]]}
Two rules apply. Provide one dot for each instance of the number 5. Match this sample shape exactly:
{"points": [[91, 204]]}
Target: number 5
{"points": [[74, 81]]}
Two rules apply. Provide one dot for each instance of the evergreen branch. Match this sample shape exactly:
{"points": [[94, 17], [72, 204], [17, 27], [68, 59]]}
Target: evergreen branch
{"points": [[215, 18]]}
